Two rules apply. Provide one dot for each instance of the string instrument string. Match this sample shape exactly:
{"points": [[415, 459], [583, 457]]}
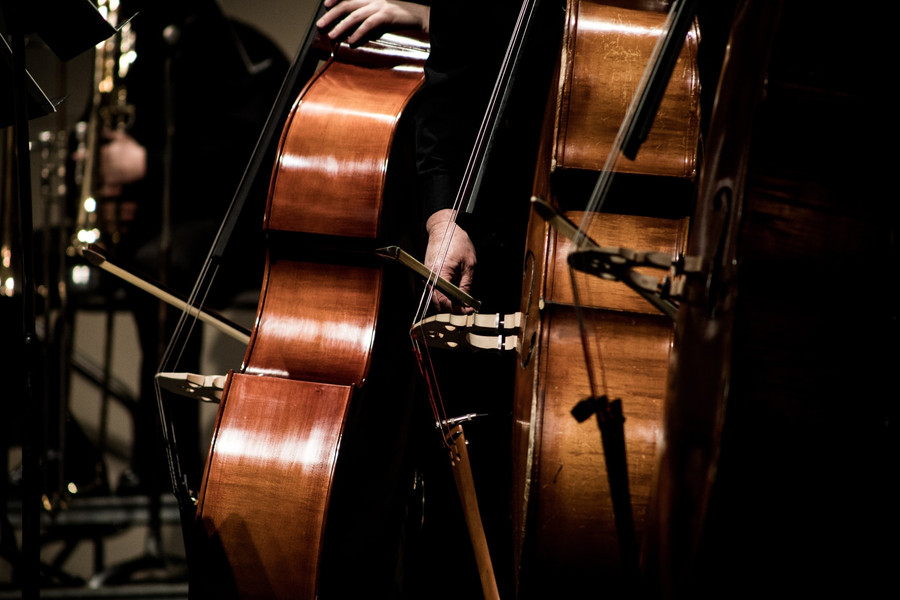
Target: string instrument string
{"points": [[300, 70], [641, 110], [633, 130], [260, 160], [451, 429], [467, 194], [598, 351]]}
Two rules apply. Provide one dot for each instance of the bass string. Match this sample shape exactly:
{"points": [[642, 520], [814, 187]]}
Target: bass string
{"points": [[593, 357], [257, 167], [468, 191]]}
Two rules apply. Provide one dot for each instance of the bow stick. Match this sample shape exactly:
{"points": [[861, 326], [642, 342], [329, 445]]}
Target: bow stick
{"points": [[99, 258]]}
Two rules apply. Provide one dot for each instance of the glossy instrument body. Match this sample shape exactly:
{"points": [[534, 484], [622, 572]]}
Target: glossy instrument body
{"points": [[293, 489], [776, 470], [563, 512]]}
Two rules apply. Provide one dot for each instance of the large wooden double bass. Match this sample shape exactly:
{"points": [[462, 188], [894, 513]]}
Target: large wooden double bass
{"points": [[302, 494], [776, 445], [780, 431], [590, 344]]}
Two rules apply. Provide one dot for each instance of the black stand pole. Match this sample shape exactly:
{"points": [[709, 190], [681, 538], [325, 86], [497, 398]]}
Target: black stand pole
{"points": [[31, 455], [69, 28]]}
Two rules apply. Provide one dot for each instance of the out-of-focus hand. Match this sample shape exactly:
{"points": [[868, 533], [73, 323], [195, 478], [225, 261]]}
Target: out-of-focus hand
{"points": [[357, 19], [458, 266], [122, 161]]}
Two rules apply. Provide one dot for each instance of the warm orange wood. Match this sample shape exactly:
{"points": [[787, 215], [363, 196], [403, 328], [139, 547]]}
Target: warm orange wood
{"points": [[563, 512], [267, 482], [566, 540], [324, 324], [627, 231], [465, 484], [331, 170], [573, 533], [593, 101], [277, 466]]}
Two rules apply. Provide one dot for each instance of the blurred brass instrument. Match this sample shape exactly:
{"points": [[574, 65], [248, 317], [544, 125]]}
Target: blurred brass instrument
{"points": [[109, 111], [9, 276]]}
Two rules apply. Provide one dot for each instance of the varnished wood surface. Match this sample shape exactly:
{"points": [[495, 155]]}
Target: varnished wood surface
{"points": [[267, 483], [331, 172], [565, 517], [594, 101], [650, 234], [324, 325], [574, 532], [567, 543], [282, 460]]}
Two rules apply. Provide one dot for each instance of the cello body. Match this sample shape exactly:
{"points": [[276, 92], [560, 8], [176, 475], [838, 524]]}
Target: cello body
{"points": [[303, 473], [566, 537]]}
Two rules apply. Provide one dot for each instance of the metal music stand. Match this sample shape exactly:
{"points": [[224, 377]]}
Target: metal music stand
{"points": [[37, 104], [68, 28]]}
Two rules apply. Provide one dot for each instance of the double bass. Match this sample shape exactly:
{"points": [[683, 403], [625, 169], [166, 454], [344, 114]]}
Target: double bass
{"points": [[583, 483], [567, 490], [779, 440], [303, 491]]}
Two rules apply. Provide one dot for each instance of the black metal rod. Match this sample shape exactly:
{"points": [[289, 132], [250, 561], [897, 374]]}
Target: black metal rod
{"points": [[31, 447]]}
